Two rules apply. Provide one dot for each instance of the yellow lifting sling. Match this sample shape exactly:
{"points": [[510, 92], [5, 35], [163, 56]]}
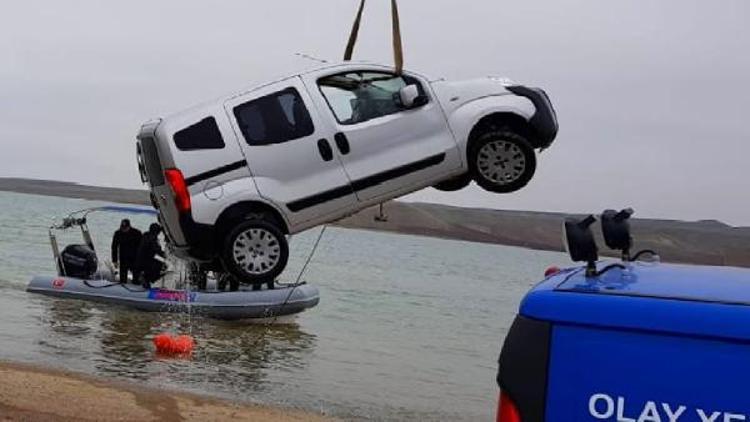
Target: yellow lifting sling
{"points": [[398, 54]]}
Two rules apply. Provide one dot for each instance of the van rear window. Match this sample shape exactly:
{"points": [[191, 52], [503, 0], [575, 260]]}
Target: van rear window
{"points": [[202, 135], [151, 162]]}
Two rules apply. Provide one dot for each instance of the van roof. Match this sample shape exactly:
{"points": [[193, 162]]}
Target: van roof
{"points": [[211, 104], [687, 299]]}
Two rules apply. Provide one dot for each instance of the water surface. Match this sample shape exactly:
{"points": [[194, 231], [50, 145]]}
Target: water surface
{"points": [[408, 328]]}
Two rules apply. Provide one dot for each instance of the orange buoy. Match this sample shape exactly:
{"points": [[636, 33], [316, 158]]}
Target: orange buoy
{"points": [[182, 344], [162, 342], [167, 344]]}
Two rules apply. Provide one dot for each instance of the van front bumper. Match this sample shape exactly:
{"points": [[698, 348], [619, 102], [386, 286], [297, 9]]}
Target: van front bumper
{"points": [[544, 121]]}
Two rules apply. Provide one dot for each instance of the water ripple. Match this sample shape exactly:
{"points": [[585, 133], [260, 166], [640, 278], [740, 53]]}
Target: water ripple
{"points": [[408, 328]]}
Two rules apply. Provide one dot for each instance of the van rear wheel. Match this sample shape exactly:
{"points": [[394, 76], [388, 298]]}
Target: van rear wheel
{"points": [[255, 251]]}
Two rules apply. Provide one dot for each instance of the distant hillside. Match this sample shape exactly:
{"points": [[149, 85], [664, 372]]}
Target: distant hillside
{"points": [[702, 242], [73, 190]]}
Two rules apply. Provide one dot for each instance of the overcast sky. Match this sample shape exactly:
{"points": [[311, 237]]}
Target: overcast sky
{"points": [[653, 96]]}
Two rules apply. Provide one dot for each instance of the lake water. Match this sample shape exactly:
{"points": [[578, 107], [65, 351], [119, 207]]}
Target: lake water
{"points": [[408, 328]]}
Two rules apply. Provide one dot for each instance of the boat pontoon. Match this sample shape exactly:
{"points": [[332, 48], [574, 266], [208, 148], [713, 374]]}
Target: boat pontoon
{"points": [[80, 275]]}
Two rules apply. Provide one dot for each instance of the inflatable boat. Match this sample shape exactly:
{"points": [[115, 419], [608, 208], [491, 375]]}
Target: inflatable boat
{"points": [[80, 275], [247, 304]]}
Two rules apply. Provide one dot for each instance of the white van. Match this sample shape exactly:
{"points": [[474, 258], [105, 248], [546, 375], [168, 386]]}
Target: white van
{"points": [[231, 178]]}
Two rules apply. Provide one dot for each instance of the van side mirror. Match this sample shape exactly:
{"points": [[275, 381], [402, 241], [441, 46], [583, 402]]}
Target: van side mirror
{"points": [[410, 97]]}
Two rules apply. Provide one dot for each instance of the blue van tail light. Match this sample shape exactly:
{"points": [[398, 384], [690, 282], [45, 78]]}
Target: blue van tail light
{"points": [[507, 410], [181, 194], [552, 270]]}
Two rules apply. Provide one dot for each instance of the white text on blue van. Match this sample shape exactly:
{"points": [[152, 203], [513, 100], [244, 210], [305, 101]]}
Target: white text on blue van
{"points": [[605, 407]]}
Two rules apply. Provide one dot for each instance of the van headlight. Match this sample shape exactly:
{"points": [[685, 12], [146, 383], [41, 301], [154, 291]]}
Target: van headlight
{"points": [[502, 80]]}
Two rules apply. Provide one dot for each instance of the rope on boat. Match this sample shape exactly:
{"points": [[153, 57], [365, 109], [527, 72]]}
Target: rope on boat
{"points": [[125, 286], [297, 281]]}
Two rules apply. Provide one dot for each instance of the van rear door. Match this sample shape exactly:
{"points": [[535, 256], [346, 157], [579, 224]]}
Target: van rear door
{"points": [[162, 197]]}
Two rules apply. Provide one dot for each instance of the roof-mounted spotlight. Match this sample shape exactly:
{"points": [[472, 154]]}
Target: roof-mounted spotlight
{"points": [[580, 243], [616, 230]]}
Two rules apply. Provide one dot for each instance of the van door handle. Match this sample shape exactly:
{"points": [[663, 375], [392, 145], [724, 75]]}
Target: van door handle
{"points": [[342, 143], [325, 149]]}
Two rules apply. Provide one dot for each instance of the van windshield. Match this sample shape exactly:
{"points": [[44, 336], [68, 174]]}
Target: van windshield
{"points": [[356, 97]]}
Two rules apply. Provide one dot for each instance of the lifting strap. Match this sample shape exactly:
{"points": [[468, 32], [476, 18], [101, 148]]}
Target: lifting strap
{"points": [[398, 53], [353, 34]]}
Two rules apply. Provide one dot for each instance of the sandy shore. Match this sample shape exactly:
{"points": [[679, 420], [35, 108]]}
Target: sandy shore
{"points": [[30, 393]]}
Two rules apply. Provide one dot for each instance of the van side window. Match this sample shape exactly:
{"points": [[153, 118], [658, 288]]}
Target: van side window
{"points": [[274, 119], [202, 135], [356, 97]]}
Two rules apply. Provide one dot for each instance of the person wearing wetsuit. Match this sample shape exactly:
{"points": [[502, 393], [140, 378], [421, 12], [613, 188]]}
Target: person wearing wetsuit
{"points": [[150, 257], [124, 249]]}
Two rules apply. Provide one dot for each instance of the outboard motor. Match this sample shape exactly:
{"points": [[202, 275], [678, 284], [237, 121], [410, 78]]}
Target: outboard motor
{"points": [[79, 261]]}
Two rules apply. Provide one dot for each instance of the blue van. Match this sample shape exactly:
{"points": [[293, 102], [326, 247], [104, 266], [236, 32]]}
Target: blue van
{"points": [[630, 342]]}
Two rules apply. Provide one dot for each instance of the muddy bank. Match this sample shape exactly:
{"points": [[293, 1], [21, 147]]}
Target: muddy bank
{"points": [[30, 393]]}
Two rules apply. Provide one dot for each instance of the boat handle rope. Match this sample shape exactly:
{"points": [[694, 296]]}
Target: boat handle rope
{"points": [[644, 252], [124, 285]]}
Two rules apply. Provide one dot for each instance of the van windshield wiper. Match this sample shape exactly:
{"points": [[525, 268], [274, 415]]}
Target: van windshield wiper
{"points": [[350, 84]]}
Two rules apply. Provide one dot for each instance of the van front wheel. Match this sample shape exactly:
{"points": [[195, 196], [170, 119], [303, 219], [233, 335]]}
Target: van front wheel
{"points": [[454, 184], [255, 251], [501, 161]]}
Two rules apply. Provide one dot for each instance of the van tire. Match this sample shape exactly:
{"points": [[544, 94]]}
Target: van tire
{"points": [[501, 161], [454, 184], [255, 251]]}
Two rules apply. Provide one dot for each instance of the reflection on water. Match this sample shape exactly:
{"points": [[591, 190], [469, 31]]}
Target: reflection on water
{"points": [[124, 344], [69, 318], [408, 328]]}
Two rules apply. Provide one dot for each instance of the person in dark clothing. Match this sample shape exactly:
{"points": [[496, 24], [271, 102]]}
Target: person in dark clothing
{"points": [[150, 257], [124, 249]]}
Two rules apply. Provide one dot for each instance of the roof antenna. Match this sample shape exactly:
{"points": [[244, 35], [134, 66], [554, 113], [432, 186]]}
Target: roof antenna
{"points": [[309, 57]]}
